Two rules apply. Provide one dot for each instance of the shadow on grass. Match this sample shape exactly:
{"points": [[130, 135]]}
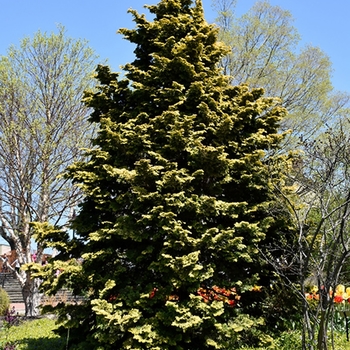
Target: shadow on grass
{"points": [[42, 344]]}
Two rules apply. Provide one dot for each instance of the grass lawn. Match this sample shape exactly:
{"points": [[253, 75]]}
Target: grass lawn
{"points": [[38, 334], [292, 340], [35, 334]]}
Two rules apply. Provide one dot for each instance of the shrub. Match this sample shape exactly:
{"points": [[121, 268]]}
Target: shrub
{"points": [[4, 302]]}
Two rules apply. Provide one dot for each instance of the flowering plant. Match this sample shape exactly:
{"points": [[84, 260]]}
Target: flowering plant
{"points": [[313, 294], [228, 296], [341, 296], [11, 319]]}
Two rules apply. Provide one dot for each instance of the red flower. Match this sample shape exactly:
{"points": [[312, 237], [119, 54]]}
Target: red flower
{"points": [[338, 299], [153, 293], [232, 303], [112, 298]]}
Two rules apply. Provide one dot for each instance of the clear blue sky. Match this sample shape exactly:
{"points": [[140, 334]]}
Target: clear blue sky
{"points": [[322, 23]]}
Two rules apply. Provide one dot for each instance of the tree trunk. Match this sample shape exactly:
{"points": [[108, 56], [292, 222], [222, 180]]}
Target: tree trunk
{"points": [[322, 332], [32, 297], [307, 330]]}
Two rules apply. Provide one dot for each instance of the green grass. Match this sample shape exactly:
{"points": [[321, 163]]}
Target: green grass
{"points": [[36, 334], [292, 340]]}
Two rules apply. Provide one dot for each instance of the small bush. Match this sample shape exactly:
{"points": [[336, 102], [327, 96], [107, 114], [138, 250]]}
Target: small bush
{"points": [[4, 302]]}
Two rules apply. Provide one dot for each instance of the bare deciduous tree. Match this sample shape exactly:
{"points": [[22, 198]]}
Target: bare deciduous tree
{"points": [[42, 129], [265, 52], [320, 207]]}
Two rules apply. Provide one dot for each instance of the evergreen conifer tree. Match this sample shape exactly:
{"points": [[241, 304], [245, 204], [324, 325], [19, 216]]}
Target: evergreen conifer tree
{"points": [[177, 191]]}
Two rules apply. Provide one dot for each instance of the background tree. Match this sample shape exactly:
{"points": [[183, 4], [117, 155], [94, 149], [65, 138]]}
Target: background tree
{"points": [[42, 129], [177, 196], [319, 204], [265, 52]]}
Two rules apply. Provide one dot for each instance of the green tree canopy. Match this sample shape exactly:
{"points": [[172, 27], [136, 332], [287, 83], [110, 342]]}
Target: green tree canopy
{"points": [[177, 194], [265, 51]]}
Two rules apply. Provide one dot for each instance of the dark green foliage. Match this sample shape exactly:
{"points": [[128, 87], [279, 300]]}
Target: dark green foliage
{"points": [[177, 194]]}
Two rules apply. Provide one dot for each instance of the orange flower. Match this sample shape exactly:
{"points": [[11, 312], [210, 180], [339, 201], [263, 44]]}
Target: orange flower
{"points": [[308, 296], [228, 296], [173, 297]]}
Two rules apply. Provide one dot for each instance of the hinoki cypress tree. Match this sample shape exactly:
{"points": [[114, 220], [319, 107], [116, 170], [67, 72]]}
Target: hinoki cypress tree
{"points": [[177, 191]]}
